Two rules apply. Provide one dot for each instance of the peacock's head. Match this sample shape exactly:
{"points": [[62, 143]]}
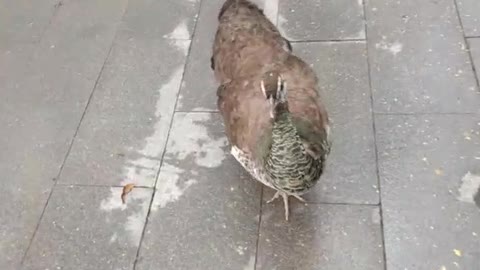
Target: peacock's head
{"points": [[274, 89]]}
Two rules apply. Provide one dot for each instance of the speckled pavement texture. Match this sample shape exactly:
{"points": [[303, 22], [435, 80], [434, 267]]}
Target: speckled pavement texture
{"points": [[98, 94]]}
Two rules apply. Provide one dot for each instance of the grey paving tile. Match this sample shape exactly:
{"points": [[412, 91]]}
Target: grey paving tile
{"points": [[206, 209], [342, 70], [321, 237], [89, 228], [124, 131], [470, 14], [14, 64], [428, 210], [42, 100], [153, 19], [199, 88], [418, 58], [474, 45], [321, 20], [24, 21]]}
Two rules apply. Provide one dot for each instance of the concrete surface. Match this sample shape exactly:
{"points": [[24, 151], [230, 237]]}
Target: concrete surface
{"points": [[98, 94]]}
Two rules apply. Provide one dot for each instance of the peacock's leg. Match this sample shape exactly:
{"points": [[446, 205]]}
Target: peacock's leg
{"points": [[285, 200], [285, 203]]}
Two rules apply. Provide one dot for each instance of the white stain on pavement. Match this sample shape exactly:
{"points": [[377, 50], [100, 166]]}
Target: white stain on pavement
{"points": [[142, 171], [168, 187], [138, 201], [180, 37], [180, 32], [167, 94], [469, 188], [182, 45], [189, 138], [394, 48]]}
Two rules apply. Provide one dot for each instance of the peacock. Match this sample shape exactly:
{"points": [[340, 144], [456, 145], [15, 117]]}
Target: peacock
{"points": [[275, 122]]}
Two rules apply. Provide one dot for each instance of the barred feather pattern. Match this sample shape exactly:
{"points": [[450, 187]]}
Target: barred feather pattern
{"points": [[288, 165]]}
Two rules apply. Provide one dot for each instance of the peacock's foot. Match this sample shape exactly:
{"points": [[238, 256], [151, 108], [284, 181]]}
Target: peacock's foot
{"points": [[285, 200], [298, 198]]}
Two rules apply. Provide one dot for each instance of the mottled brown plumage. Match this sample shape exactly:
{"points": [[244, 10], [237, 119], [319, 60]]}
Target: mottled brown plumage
{"points": [[250, 52]]}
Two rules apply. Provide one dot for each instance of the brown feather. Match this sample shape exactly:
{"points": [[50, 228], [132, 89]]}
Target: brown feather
{"points": [[247, 49]]}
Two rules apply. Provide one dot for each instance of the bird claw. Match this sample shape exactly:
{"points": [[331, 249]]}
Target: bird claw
{"points": [[299, 198], [285, 200]]}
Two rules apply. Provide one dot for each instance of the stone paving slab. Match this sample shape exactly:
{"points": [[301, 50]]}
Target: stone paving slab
{"points": [[41, 107], [88, 228], [469, 11], [418, 57], [474, 45], [321, 20], [153, 19], [342, 70], [24, 21], [124, 132], [321, 237], [199, 88], [205, 211], [423, 160]]}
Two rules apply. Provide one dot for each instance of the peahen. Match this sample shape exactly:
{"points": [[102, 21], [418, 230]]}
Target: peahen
{"points": [[274, 120]]}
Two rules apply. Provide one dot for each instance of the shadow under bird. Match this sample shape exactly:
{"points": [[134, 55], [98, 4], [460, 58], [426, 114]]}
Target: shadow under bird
{"points": [[274, 119]]}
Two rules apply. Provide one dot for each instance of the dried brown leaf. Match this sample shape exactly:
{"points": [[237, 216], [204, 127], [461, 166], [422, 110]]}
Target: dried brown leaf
{"points": [[126, 189]]}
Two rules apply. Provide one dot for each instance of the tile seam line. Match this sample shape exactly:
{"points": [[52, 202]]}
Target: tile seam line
{"points": [[467, 45], [142, 236], [57, 178], [374, 130]]}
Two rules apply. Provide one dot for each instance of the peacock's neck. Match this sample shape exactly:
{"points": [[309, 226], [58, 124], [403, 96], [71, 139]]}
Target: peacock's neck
{"points": [[288, 164], [285, 139]]}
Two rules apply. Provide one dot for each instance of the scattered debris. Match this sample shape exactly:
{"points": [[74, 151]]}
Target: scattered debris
{"points": [[457, 252], [393, 48], [126, 189], [467, 136]]}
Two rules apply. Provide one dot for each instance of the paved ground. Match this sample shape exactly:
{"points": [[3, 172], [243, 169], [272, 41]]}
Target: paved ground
{"points": [[97, 94]]}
